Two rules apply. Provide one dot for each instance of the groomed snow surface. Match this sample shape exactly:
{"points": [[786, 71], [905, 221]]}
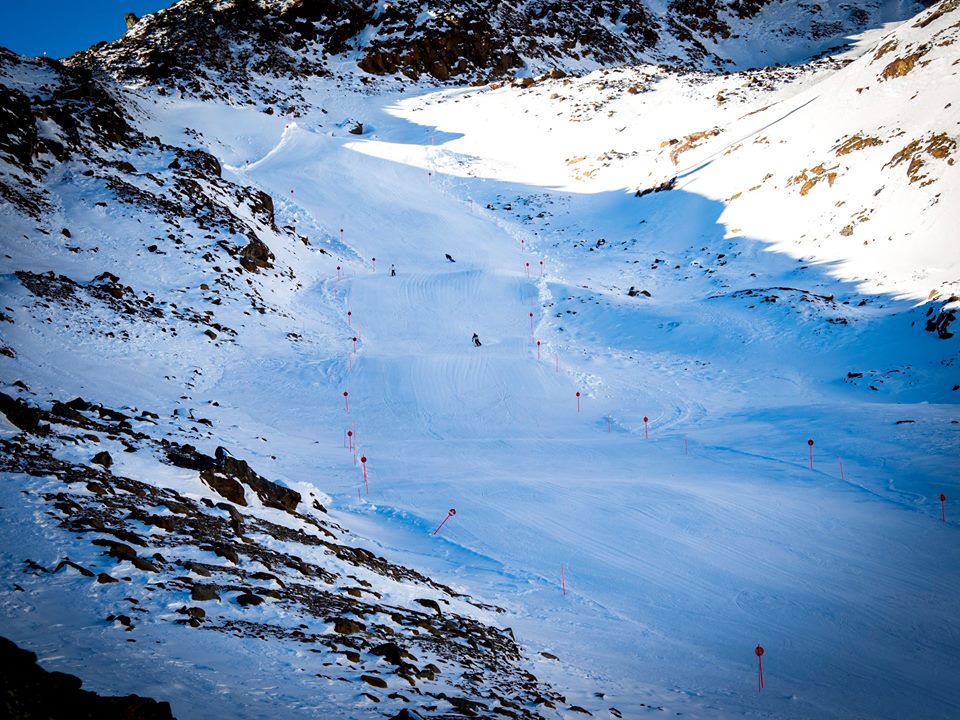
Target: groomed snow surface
{"points": [[679, 497]]}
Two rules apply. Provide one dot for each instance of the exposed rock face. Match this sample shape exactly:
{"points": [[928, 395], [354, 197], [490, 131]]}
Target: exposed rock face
{"points": [[18, 126], [256, 255], [28, 691], [131, 19], [474, 40], [226, 474]]}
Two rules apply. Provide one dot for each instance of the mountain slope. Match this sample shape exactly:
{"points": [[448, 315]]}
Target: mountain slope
{"points": [[254, 42], [196, 312]]}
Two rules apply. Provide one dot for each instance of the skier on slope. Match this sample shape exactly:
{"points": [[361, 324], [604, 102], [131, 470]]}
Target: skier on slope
{"points": [[393, 271], [476, 340]]}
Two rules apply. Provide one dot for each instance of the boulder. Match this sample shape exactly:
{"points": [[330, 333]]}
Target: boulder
{"points": [[255, 255], [343, 626], [224, 485], [202, 592], [102, 458], [248, 598], [391, 652], [22, 415]]}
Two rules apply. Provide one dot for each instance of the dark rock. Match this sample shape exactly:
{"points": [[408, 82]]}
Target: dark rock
{"points": [[227, 553], [270, 494], [210, 334], [144, 564], [202, 592], [432, 604], [66, 562], [18, 126], [224, 485], [117, 550], [343, 626], [103, 458], [405, 714], [236, 519], [390, 652], [356, 129], [22, 415], [187, 456], [262, 206], [255, 255], [131, 19], [28, 692], [662, 187], [104, 579], [374, 680], [248, 598]]}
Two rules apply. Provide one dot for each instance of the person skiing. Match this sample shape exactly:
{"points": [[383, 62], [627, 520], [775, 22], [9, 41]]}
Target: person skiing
{"points": [[393, 270], [476, 340]]}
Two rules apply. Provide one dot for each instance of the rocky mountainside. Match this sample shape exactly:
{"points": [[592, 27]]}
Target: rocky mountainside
{"points": [[226, 49], [183, 213], [213, 546]]}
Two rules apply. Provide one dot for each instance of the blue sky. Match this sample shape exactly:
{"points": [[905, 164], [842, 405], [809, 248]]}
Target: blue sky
{"points": [[62, 27]]}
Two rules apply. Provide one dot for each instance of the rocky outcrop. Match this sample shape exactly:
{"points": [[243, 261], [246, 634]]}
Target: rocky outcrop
{"points": [[232, 561], [474, 40], [27, 691], [226, 475]]}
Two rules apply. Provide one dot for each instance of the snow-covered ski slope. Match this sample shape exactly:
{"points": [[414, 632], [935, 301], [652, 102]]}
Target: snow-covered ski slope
{"points": [[710, 329]]}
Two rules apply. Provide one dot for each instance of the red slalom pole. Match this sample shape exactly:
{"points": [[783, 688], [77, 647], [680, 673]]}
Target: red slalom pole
{"points": [[538, 349], [759, 653], [346, 400], [354, 343], [646, 432], [810, 443], [840, 460], [450, 513], [338, 272], [341, 235], [350, 439], [563, 580], [374, 261], [531, 324], [528, 268], [349, 317], [541, 268], [578, 401], [363, 461], [943, 512]]}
